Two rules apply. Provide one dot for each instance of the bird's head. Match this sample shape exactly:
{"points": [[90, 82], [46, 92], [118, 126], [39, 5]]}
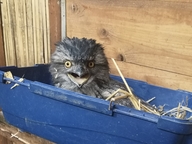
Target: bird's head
{"points": [[79, 61]]}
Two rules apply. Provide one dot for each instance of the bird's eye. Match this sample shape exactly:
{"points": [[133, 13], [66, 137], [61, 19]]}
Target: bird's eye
{"points": [[91, 64], [67, 64]]}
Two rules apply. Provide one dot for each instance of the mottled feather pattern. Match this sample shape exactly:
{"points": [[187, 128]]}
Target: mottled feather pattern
{"points": [[79, 53]]}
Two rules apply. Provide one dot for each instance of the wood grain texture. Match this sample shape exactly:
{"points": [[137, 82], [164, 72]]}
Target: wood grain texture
{"points": [[6, 131], [20, 33], [47, 32], [30, 41], [6, 12], [26, 37], [4, 140], [55, 22], [152, 76], [2, 52], [154, 36]]}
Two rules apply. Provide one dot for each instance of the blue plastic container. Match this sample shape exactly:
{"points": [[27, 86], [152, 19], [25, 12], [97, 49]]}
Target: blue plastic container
{"points": [[62, 116]]}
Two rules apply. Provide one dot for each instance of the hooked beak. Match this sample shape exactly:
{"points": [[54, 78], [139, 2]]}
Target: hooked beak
{"points": [[79, 80]]}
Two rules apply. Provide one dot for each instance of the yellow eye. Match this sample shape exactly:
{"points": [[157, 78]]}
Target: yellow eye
{"points": [[67, 64], [91, 64]]}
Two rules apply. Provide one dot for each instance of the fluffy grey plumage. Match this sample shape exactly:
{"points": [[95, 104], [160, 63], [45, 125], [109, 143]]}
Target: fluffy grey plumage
{"points": [[80, 65]]}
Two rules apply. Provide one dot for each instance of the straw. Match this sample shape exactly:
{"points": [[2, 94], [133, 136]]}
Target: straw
{"points": [[137, 103]]}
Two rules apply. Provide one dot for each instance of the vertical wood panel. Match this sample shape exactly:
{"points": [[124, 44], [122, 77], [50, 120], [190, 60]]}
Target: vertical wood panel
{"points": [[47, 34], [44, 42], [19, 32], [30, 41], [8, 31], [2, 52], [55, 22], [41, 29], [26, 32]]}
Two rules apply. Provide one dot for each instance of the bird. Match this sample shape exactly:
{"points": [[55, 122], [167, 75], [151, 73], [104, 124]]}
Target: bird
{"points": [[80, 65]]}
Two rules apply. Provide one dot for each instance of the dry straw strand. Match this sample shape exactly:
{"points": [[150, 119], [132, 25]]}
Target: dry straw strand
{"points": [[137, 103]]}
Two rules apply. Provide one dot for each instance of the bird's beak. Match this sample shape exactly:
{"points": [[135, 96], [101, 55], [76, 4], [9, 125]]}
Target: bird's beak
{"points": [[78, 80]]}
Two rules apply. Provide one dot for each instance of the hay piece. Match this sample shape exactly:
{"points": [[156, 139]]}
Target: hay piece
{"points": [[148, 101], [179, 112], [9, 75], [117, 91], [127, 86], [137, 103], [15, 85]]}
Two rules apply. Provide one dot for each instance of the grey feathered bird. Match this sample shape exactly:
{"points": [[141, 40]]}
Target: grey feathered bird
{"points": [[80, 65]]}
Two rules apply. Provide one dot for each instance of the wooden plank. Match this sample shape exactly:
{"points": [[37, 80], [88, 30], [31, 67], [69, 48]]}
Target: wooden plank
{"points": [[48, 31], [63, 19], [44, 29], [40, 47], [152, 76], [29, 21], [8, 33], [6, 131], [55, 22], [18, 15], [4, 140], [141, 33], [46, 34], [151, 34], [11, 34], [4, 17], [5, 29], [26, 32], [34, 32], [38, 31], [2, 52], [24, 27]]}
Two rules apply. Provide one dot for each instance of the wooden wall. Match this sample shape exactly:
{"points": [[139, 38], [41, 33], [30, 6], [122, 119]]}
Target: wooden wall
{"points": [[26, 27], [54, 22], [150, 40], [26, 33]]}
